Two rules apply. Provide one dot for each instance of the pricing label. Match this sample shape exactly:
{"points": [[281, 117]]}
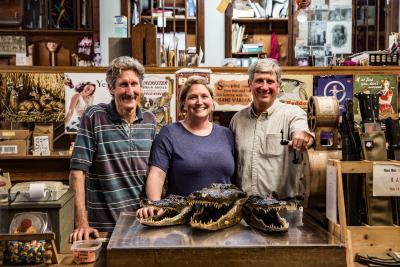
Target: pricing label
{"points": [[386, 179]]}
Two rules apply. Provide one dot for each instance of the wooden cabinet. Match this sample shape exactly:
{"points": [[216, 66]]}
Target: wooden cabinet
{"points": [[40, 22], [259, 30], [374, 20], [184, 19]]}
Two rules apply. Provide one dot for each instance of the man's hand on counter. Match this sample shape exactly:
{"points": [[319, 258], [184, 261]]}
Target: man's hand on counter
{"points": [[83, 233]]}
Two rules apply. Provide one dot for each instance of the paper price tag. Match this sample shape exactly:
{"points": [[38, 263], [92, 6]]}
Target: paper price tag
{"points": [[41, 145], [386, 179]]}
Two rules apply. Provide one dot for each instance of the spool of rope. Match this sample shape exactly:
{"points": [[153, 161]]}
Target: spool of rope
{"points": [[314, 179], [323, 111]]}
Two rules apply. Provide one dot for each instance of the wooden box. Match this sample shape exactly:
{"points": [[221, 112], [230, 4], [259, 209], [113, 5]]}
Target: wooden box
{"points": [[60, 212], [360, 239]]}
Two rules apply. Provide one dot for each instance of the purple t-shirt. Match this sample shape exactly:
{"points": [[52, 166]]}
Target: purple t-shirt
{"points": [[192, 162]]}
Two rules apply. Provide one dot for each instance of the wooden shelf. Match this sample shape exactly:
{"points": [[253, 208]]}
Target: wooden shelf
{"points": [[68, 36], [31, 157], [248, 54], [260, 20], [360, 239], [260, 30], [46, 31], [191, 27], [36, 168], [169, 18]]}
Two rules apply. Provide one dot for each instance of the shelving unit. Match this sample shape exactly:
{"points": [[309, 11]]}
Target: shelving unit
{"points": [[373, 23], [360, 239], [259, 30], [177, 20], [36, 168], [37, 21]]}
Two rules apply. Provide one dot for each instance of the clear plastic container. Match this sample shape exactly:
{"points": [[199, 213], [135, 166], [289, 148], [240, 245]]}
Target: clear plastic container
{"points": [[86, 251]]}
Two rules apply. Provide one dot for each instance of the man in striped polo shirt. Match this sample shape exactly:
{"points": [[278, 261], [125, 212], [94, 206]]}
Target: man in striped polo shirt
{"points": [[109, 161]]}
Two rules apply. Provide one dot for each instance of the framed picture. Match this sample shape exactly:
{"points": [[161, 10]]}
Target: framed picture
{"points": [[339, 36], [317, 33], [303, 61], [302, 51]]}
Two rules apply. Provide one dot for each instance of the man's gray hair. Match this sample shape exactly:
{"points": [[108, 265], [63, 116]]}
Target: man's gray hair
{"points": [[120, 64], [267, 65]]}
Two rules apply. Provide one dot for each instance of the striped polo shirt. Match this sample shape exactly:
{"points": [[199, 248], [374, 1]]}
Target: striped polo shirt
{"points": [[114, 157]]}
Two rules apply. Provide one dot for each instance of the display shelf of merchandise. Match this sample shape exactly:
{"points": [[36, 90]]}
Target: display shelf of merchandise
{"points": [[360, 239]]}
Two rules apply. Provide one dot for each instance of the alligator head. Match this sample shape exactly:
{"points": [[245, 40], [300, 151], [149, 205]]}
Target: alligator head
{"points": [[217, 207], [175, 210], [262, 213]]}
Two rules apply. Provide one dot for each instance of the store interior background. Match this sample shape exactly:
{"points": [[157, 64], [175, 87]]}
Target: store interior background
{"points": [[214, 31]]}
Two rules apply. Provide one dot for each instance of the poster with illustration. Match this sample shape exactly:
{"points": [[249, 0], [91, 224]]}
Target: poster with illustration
{"points": [[296, 90], [158, 97], [83, 90], [32, 97], [231, 91], [340, 86], [386, 85]]}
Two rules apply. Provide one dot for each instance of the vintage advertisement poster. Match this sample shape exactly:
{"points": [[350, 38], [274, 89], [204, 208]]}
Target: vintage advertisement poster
{"points": [[296, 90], [81, 91], [231, 91], [32, 97], [340, 86], [181, 76], [158, 96], [386, 85]]}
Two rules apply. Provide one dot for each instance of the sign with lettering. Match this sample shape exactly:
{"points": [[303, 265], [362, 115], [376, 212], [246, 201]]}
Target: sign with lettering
{"points": [[296, 90], [386, 85], [231, 91], [41, 145], [158, 96], [386, 179]]}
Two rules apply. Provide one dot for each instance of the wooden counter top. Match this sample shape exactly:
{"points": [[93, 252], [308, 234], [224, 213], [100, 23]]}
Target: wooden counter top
{"points": [[136, 245]]}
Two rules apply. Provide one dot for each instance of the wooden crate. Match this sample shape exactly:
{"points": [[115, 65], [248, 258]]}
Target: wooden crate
{"points": [[360, 239]]}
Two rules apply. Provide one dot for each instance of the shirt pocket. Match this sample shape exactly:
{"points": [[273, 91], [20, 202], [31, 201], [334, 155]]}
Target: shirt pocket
{"points": [[271, 145]]}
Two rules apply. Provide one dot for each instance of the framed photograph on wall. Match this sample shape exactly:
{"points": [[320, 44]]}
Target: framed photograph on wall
{"points": [[339, 36], [317, 33]]}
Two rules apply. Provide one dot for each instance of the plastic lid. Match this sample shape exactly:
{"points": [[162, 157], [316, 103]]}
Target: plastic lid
{"points": [[86, 245], [38, 224]]}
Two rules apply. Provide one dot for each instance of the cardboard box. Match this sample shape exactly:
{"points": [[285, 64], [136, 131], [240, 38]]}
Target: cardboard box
{"points": [[14, 142]]}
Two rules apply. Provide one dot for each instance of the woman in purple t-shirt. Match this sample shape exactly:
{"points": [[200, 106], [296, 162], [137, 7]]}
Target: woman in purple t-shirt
{"points": [[192, 153]]}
